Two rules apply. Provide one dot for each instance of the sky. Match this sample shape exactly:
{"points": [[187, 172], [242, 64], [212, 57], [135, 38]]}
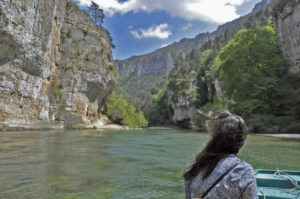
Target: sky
{"points": [[142, 26]]}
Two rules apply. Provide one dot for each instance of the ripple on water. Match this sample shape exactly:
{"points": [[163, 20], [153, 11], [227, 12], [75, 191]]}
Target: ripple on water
{"points": [[131, 164]]}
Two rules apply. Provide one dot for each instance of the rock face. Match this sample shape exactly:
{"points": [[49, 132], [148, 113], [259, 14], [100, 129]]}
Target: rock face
{"points": [[183, 111], [287, 25], [55, 64]]}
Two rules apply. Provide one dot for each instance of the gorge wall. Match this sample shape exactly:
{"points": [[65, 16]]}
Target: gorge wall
{"points": [[56, 66], [287, 25]]}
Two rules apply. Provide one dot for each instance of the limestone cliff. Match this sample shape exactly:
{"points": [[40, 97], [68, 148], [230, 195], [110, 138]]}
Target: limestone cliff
{"points": [[55, 65], [287, 25]]}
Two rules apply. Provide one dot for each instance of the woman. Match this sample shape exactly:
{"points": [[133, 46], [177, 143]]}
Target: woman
{"points": [[217, 173]]}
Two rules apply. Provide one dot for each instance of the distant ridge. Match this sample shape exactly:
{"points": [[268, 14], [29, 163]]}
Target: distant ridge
{"points": [[162, 60]]}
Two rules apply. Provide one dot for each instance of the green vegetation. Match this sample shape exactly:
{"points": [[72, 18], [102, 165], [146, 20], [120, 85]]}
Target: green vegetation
{"points": [[121, 111], [148, 94], [87, 57], [112, 70], [69, 34], [242, 69], [111, 67], [112, 45], [55, 89], [199, 118], [182, 78], [158, 110], [101, 52], [96, 13], [251, 71], [68, 4], [77, 54], [251, 66], [63, 106], [85, 31], [63, 38]]}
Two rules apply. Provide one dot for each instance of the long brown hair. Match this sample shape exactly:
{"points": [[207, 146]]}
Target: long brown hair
{"points": [[228, 135]]}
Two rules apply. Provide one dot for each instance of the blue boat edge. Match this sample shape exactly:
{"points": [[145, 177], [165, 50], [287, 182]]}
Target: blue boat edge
{"points": [[279, 186]]}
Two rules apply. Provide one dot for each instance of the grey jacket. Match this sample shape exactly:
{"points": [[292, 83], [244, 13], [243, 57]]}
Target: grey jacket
{"points": [[239, 183]]}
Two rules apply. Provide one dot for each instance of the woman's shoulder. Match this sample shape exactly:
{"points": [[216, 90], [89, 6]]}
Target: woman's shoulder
{"points": [[244, 166], [243, 174], [241, 166]]}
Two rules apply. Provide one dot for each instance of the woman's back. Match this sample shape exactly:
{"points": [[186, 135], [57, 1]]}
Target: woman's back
{"points": [[238, 183]]}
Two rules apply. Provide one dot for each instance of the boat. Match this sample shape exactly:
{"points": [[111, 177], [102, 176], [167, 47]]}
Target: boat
{"points": [[277, 184]]}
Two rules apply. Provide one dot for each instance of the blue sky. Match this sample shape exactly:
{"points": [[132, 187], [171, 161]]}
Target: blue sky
{"points": [[142, 26]]}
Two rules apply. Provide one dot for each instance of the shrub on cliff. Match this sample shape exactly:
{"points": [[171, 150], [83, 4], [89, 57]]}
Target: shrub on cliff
{"points": [[56, 89]]}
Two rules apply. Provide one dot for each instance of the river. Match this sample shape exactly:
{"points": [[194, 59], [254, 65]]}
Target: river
{"points": [[132, 164]]}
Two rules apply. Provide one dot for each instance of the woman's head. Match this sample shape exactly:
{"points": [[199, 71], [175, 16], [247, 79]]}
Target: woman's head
{"points": [[229, 129], [228, 135]]}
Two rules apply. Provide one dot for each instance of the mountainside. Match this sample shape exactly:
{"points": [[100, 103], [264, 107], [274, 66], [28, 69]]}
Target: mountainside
{"points": [[163, 60], [245, 73], [143, 76], [56, 65], [189, 86]]}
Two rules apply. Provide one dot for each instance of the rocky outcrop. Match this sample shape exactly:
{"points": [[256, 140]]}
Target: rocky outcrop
{"points": [[55, 64], [183, 111], [287, 25]]}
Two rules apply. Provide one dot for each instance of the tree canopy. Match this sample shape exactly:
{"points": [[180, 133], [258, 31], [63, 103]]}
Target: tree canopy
{"points": [[121, 111], [251, 68], [96, 13]]}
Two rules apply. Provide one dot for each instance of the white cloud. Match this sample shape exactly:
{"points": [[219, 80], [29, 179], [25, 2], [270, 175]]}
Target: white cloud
{"points": [[185, 27], [161, 32], [217, 11]]}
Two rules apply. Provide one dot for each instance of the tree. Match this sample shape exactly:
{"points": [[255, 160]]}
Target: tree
{"points": [[96, 13], [251, 68], [112, 45], [121, 111]]}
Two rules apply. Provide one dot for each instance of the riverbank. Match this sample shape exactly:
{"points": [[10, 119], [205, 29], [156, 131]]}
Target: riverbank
{"points": [[58, 125], [287, 136]]}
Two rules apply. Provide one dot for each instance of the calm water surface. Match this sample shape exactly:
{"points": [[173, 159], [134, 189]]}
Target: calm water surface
{"points": [[134, 164]]}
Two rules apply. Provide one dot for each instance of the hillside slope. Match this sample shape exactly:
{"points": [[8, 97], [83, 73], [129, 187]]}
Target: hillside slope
{"points": [[143, 76], [245, 73]]}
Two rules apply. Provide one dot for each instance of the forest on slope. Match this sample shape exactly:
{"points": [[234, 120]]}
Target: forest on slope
{"points": [[241, 69]]}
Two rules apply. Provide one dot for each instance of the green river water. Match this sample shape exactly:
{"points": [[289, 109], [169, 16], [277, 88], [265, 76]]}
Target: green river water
{"points": [[132, 164]]}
